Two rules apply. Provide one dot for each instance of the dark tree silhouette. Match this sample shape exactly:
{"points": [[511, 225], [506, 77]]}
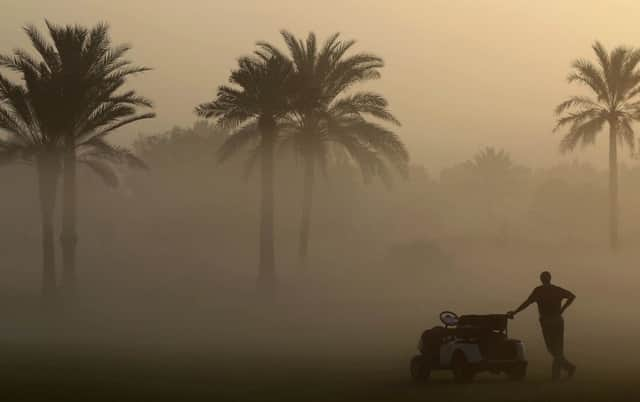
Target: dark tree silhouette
{"points": [[491, 162], [615, 84], [27, 140], [322, 115], [494, 182], [498, 177], [74, 87], [496, 171], [252, 107], [181, 146]]}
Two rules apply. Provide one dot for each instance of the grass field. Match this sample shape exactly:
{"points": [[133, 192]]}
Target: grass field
{"points": [[64, 373], [348, 339]]}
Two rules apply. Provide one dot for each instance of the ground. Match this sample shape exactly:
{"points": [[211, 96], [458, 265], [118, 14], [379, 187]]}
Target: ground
{"points": [[64, 373], [345, 336]]}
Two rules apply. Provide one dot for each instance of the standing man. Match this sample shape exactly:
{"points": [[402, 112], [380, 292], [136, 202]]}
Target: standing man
{"points": [[549, 299]]}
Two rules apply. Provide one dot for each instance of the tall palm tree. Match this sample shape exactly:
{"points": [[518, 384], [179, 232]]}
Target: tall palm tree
{"points": [[614, 83], [26, 139], [322, 114], [252, 107], [75, 83]]}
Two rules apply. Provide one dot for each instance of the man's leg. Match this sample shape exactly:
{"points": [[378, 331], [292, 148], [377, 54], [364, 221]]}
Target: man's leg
{"points": [[556, 369], [552, 330], [564, 363]]}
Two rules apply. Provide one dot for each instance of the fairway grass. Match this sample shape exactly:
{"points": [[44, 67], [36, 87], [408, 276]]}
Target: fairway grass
{"points": [[89, 373]]}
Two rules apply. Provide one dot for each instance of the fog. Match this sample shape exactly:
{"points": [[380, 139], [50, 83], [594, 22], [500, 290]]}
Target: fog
{"points": [[168, 260]]}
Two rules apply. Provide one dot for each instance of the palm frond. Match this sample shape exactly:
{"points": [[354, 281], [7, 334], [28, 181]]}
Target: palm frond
{"points": [[98, 148], [240, 138], [103, 170], [576, 118], [576, 101], [231, 107], [259, 87], [44, 49], [101, 130], [295, 47], [388, 145], [582, 132], [365, 103], [587, 74]]}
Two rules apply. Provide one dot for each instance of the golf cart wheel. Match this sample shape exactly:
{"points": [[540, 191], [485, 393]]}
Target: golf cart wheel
{"points": [[462, 370], [420, 370], [517, 373]]}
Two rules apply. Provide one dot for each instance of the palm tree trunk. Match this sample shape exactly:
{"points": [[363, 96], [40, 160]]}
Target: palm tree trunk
{"points": [[68, 237], [266, 270], [613, 186], [307, 203], [47, 172]]}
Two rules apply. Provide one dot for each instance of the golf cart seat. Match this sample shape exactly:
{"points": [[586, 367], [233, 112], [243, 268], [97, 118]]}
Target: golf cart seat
{"points": [[475, 326], [490, 322]]}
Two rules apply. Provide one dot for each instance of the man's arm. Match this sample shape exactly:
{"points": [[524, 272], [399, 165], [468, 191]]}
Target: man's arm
{"points": [[524, 305], [570, 297]]}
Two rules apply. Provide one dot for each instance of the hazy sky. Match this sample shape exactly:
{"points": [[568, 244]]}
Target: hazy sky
{"points": [[460, 74]]}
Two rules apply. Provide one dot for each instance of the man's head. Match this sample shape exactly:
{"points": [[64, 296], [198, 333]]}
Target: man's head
{"points": [[545, 278]]}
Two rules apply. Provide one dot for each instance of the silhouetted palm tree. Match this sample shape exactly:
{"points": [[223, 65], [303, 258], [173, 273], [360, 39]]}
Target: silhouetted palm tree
{"points": [[74, 85], [322, 114], [26, 139], [496, 177], [615, 84], [492, 163], [252, 107]]}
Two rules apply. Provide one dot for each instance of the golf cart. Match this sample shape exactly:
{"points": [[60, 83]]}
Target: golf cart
{"points": [[467, 345]]}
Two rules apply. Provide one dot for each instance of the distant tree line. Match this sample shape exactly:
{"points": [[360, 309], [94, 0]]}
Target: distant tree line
{"points": [[71, 98], [301, 103]]}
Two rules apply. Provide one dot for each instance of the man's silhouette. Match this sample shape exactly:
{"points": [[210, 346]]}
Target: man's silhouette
{"points": [[549, 299]]}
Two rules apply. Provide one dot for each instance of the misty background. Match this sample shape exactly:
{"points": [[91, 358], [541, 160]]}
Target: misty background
{"points": [[169, 259]]}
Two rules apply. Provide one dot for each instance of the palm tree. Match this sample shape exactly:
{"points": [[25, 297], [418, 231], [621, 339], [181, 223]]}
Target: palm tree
{"points": [[491, 162], [322, 114], [496, 178], [27, 140], [496, 171], [252, 108], [615, 84], [24, 140], [75, 83]]}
